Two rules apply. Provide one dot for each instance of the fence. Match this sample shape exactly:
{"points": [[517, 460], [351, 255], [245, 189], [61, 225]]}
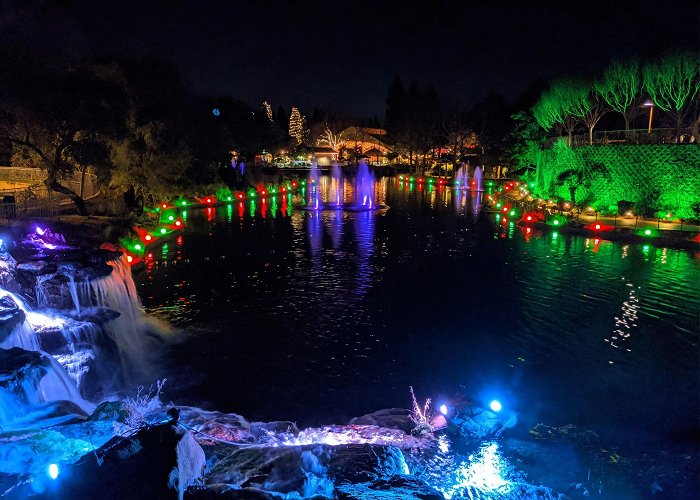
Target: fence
{"points": [[637, 136], [34, 199]]}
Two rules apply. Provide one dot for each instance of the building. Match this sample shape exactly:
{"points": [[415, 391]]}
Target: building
{"points": [[325, 156], [360, 140]]}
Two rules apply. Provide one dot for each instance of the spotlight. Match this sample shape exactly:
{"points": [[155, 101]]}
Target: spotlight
{"points": [[495, 405], [443, 409], [53, 471]]}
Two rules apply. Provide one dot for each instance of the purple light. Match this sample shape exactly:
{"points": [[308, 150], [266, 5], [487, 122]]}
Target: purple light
{"points": [[40, 231]]}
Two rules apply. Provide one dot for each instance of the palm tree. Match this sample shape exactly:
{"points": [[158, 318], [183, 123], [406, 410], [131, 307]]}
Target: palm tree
{"points": [[575, 178]]}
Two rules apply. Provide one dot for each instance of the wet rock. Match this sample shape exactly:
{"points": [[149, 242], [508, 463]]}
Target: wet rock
{"points": [[97, 315], [404, 487], [273, 469], [37, 267], [361, 463], [391, 418], [17, 365], [227, 491], [156, 462], [10, 316]]}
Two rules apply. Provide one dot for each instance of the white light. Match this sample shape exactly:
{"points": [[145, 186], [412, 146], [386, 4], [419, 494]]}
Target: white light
{"points": [[495, 405], [53, 471], [443, 409]]}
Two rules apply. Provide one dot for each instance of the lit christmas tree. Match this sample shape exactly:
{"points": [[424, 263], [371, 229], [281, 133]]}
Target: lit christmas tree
{"points": [[296, 125], [268, 111]]}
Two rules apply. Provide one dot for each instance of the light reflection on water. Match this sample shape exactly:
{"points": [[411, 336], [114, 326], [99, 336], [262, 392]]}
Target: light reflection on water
{"points": [[324, 316]]}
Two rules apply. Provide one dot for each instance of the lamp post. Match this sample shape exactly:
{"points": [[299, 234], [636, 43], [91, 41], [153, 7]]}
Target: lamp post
{"points": [[650, 105]]}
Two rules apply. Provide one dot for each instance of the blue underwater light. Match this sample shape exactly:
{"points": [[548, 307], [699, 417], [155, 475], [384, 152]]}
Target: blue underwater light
{"points": [[53, 471], [443, 409], [495, 405]]}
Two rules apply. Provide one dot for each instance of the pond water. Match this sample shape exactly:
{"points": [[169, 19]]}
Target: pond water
{"points": [[317, 317]]}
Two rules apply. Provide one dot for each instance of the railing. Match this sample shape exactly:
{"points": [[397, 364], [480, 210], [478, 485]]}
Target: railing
{"points": [[637, 136], [35, 200]]}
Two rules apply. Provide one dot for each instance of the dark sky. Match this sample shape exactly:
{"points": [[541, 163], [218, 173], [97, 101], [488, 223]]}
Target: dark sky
{"points": [[344, 55]]}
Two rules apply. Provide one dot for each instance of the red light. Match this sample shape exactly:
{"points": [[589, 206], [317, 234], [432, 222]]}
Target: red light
{"points": [[420, 180], [240, 196], [148, 237], [597, 226], [528, 230], [529, 217], [294, 184], [596, 241], [505, 220], [178, 223], [164, 205], [505, 209], [129, 259], [150, 255], [263, 192], [208, 200]]}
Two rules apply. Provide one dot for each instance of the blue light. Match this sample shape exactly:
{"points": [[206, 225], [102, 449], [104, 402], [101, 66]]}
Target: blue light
{"points": [[495, 405], [53, 471], [443, 409], [216, 111]]}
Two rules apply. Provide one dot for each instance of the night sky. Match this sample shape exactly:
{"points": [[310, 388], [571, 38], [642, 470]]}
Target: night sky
{"points": [[343, 55]]}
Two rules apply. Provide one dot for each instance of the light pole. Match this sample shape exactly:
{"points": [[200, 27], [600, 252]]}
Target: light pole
{"points": [[650, 105]]}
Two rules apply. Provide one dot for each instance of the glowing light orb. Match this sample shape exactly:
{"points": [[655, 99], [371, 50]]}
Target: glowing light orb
{"points": [[148, 237], [556, 222], [164, 205], [137, 246], [53, 471], [208, 200], [529, 217], [495, 405], [597, 226], [183, 203], [229, 198], [443, 409], [178, 223], [171, 218], [647, 232], [163, 230], [216, 111]]}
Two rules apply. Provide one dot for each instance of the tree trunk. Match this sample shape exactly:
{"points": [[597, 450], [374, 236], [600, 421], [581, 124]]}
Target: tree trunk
{"points": [[590, 136], [54, 185], [572, 192], [627, 121]]}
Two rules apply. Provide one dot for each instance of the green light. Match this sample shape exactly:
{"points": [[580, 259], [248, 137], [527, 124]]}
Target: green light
{"points": [[555, 235], [647, 232], [512, 213], [498, 205], [228, 198], [137, 247], [556, 222], [171, 218], [163, 230], [183, 203]]}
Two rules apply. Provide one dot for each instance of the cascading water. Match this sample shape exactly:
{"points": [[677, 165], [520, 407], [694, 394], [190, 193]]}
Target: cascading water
{"points": [[73, 289], [462, 177], [117, 291]]}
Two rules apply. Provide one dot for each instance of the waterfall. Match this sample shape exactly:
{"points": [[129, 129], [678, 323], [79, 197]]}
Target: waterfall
{"points": [[22, 336], [117, 291], [73, 289]]}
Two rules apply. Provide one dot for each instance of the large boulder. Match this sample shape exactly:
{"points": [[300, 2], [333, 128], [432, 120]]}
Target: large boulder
{"points": [[404, 487], [10, 316], [391, 418], [156, 462]]}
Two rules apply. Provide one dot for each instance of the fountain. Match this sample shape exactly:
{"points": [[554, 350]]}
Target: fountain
{"points": [[335, 198], [315, 202], [478, 174], [364, 190], [462, 177]]}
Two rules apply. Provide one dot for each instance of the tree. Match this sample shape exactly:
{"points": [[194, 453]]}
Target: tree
{"points": [[583, 176], [621, 88], [554, 108], [586, 105], [59, 120], [673, 84], [297, 124]]}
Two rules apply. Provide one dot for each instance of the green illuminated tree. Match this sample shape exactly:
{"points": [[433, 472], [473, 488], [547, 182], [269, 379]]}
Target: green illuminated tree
{"points": [[621, 88], [673, 84], [586, 105], [554, 108]]}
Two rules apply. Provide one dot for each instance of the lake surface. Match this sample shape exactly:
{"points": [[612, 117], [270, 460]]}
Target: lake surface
{"points": [[319, 317]]}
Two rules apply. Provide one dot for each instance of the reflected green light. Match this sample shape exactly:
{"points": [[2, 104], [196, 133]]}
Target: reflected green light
{"points": [[252, 207], [163, 230], [555, 235]]}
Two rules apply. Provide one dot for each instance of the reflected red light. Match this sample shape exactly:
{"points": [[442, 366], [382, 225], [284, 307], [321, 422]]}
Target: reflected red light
{"points": [[148, 237], [597, 226], [596, 241], [528, 230], [129, 259], [178, 223]]}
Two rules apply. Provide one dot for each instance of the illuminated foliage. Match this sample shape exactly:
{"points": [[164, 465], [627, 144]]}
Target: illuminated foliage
{"points": [[555, 107], [296, 125], [621, 88], [673, 84]]}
